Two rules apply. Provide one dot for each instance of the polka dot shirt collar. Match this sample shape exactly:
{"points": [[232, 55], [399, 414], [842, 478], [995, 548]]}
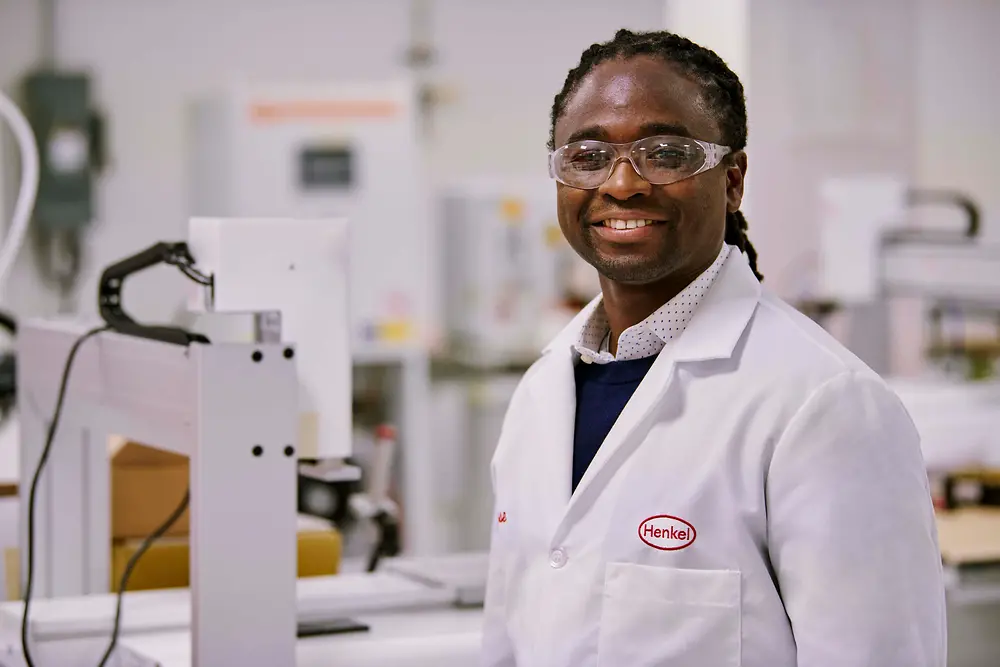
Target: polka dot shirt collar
{"points": [[650, 336]]}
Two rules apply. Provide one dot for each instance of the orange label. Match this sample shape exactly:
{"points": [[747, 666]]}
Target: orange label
{"points": [[273, 112]]}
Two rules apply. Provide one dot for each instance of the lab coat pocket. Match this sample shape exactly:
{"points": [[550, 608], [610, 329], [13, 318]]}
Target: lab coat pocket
{"points": [[668, 617]]}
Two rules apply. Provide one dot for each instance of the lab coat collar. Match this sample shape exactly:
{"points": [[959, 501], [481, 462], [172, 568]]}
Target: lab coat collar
{"points": [[713, 333], [716, 326], [719, 322]]}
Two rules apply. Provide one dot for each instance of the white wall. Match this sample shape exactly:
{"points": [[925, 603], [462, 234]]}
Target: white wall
{"points": [[505, 61], [958, 101]]}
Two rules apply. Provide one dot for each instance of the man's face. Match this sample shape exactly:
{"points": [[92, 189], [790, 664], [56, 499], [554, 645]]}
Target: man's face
{"points": [[621, 101]]}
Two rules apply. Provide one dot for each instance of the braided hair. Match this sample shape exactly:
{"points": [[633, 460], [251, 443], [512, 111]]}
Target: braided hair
{"points": [[721, 87]]}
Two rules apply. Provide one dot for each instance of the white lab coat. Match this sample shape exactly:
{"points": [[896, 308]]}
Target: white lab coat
{"points": [[760, 502]]}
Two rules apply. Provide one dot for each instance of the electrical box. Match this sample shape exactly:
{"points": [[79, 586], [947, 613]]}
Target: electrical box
{"points": [[58, 107], [330, 150], [508, 271]]}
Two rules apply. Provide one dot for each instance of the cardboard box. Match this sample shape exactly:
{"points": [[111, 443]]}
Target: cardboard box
{"points": [[969, 536], [167, 563], [147, 485]]}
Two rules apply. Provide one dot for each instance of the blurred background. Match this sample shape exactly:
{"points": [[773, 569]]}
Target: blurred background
{"points": [[871, 192]]}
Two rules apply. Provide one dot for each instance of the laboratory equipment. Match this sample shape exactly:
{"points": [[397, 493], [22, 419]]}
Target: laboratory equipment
{"points": [[869, 248], [510, 279], [233, 409], [59, 107], [170, 387], [334, 150], [292, 275], [164, 386], [869, 253], [339, 150], [291, 270], [70, 135]]}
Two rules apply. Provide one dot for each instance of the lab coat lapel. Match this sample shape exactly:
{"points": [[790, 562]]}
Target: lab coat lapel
{"points": [[552, 388], [553, 393], [713, 333]]}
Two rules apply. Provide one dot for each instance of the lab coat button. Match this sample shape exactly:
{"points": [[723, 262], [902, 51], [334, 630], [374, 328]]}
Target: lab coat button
{"points": [[557, 558]]}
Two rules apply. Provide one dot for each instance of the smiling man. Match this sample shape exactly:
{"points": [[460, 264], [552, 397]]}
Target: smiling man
{"points": [[693, 473]]}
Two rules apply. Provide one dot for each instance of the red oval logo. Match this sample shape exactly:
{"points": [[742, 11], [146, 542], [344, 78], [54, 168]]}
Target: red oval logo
{"points": [[667, 533]]}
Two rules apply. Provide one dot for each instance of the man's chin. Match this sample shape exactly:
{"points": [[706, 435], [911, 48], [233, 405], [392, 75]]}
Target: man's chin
{"points": [[631, 270]]}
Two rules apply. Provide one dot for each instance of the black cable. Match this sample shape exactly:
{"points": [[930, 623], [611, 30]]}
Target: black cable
{"points": [[8, 323], [34, 486], [130, 567], [387, 544], [147, 543]]}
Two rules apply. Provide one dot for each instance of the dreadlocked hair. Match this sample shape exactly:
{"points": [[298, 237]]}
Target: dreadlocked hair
{"points": [[721, 87]]}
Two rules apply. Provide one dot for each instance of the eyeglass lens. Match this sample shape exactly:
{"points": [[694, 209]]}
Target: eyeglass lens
{"points": [[659, 160]]}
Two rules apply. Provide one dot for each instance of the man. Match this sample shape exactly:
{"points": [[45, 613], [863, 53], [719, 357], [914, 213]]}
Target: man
{"points": [[694, 474]]}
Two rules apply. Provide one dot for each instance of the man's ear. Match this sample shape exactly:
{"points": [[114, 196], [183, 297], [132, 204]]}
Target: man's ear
{"points": [[735, 175]]}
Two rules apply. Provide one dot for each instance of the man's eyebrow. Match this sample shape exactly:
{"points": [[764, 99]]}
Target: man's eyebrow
{"points": [[597, 133], [666, 128], [593, 132]]}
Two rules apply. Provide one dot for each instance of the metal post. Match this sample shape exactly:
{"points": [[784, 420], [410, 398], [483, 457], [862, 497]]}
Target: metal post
{"points": [[243, 507]]}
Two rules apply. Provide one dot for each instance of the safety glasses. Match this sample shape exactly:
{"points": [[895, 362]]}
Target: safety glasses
{"points": [[661, 160]]}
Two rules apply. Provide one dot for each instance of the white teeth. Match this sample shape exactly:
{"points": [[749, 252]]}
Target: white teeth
{"points": [[627, 224]]}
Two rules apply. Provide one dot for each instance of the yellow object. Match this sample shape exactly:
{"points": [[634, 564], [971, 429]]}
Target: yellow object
{"points": [[164, 565], [167, 563], [512, 210], [553, 236], [395, 331], [12, 573], [147, 484], [970, 535]]}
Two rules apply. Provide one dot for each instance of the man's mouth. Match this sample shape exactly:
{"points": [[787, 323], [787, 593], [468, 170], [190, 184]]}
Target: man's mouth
{"points": [[617, 230], [622, 225]]}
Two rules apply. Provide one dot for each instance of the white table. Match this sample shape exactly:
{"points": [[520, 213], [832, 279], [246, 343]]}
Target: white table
{"points": [[463, 573], [74, 632], [421, 638]]}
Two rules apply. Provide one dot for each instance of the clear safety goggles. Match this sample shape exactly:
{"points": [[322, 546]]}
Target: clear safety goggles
{"points": [[661, 160]]}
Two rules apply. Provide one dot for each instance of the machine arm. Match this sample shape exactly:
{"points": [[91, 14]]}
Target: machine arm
{"points": [[113, 280], [918, 197]]}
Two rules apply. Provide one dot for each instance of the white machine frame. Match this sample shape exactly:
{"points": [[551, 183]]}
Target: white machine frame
{"points": [[213, 403]]}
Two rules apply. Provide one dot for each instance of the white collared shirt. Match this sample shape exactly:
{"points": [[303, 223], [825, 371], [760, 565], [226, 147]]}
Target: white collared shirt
{"points": [[650, 336]]}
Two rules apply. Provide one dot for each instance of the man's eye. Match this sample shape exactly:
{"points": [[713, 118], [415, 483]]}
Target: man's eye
{"points": [[588, 160], [668, 158]]}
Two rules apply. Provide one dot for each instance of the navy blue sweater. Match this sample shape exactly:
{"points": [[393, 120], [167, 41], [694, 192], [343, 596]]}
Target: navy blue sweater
{"points": [[602, 390]]}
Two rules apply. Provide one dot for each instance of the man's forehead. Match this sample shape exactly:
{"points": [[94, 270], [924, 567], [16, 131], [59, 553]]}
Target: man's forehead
{"points": [[639, 91]]}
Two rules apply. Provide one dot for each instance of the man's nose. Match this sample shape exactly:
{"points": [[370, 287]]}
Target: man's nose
{"points": [[625, 182]]}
